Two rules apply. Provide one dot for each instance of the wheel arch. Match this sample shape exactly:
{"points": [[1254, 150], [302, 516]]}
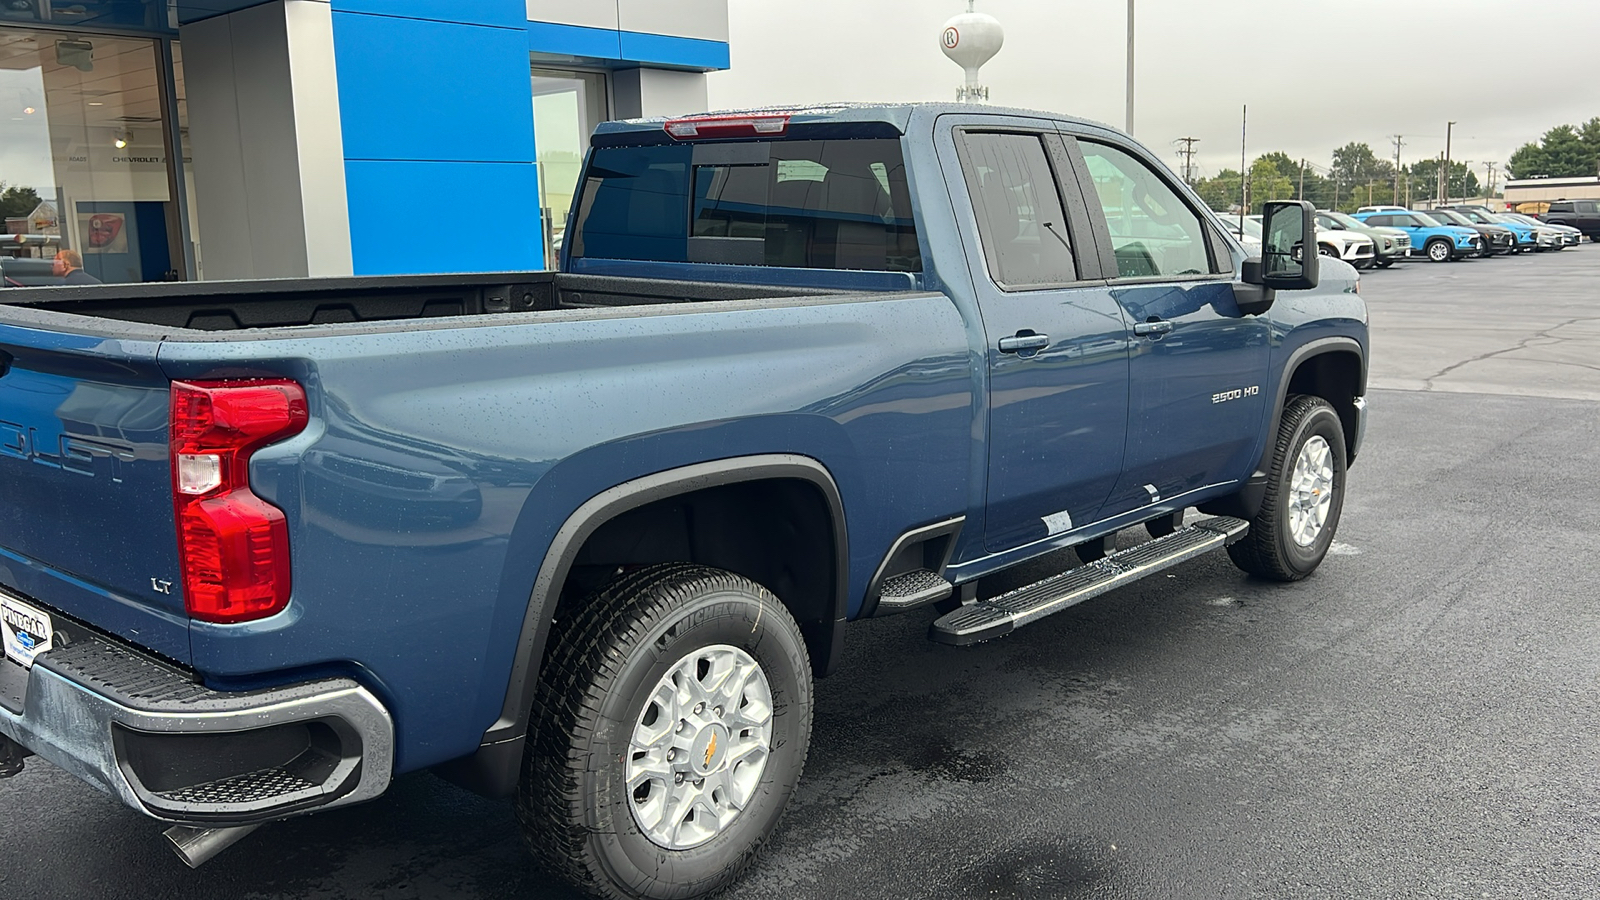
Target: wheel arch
{"points": [[493, 770], [1333, 368]]}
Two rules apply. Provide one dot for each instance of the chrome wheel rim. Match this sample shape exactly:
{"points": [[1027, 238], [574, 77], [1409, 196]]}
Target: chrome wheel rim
{"points": [[1311, 491], [699, 747], [1438, 251]]}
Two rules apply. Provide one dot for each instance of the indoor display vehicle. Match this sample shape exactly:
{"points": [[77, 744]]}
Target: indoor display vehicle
{"points": [[22, 271], [1497, 239], [1390, 244], [1435, 240], [583, 539]]}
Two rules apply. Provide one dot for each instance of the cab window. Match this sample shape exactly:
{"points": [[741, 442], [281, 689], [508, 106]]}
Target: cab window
{"points": [[1021, 220], [1154, 233]]}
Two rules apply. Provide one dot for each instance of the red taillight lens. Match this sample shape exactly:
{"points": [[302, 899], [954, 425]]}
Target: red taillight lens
{"points": [[695, 128], [234, 546]]}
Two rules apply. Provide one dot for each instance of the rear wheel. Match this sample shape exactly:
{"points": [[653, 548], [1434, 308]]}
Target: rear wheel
{"points": [[668, 734], [1299, 514], [1439, 251]]}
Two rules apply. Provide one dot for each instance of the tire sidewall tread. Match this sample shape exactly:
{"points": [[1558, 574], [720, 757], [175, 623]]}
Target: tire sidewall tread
{"points": [[603, 663], [1268, 550]]}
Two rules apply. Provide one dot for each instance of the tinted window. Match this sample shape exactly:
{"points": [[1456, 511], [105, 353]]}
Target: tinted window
{"points": [[1587, 206], [834, 204], [1561, 207], [1153, 231], [1020, 217], [1380, 220]]}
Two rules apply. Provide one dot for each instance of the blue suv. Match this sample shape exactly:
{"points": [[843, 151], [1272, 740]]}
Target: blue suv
{"points": [[1439, 242]]}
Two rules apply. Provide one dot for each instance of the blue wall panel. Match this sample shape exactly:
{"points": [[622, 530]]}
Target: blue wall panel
{"points": [[502, 13], [412, 89], [574, 40], [408, 217], [674, 51]]}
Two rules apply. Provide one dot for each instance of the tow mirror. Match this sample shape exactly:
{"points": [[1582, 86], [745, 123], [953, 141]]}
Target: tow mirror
{"points": [[1288, 248]]}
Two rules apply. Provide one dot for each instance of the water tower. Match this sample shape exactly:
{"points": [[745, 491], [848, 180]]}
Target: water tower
{"points": [[970, 40]]}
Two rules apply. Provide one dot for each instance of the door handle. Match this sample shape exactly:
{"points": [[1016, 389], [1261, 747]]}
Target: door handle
{"points": [[1024, 341], [1158, 327]]}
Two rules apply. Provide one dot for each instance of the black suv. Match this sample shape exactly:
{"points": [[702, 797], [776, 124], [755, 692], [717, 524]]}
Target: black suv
{"points": [[1583, 215]]}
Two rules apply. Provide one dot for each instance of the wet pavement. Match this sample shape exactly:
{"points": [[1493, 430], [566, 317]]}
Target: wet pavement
{"points": [[1419, 719]]}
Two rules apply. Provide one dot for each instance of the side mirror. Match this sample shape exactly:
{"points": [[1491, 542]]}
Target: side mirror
{"points": [[1288, 254]]}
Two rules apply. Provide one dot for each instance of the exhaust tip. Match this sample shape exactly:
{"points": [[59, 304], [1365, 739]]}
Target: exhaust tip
{"points": [[195, 845]]}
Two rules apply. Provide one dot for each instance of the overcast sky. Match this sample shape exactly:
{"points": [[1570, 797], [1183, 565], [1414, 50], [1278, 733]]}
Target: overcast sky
{"points": [[1316, 73]]}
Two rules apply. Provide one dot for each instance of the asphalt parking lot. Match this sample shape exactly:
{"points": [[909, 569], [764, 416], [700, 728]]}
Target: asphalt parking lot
{"points": [[1419, 719]]}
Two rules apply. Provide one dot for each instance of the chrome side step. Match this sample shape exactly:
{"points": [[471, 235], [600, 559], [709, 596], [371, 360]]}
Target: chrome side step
{"points": [[999, 616]]}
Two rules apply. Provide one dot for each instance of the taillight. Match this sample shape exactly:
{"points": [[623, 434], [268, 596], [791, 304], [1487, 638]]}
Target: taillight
{"points": [[233, 546], [701, 127]]}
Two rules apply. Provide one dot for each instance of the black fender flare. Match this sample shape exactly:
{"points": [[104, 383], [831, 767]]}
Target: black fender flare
{"points": [[496, 767], [1247, 502]]}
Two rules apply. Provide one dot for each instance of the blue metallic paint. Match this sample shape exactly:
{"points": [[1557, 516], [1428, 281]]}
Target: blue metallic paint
{"points": [[440, 462]]}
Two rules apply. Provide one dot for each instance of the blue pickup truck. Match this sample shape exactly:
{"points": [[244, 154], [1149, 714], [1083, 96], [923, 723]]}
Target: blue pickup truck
{"points": [[583, 539]]}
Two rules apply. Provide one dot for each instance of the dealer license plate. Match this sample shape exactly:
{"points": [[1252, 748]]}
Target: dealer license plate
{"points": [[27, 631]]}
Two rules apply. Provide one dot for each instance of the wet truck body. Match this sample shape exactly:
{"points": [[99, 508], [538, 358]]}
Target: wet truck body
{"points": [[266, 545]]}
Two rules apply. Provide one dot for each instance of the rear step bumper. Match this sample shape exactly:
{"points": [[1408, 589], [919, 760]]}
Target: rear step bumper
{"points": [[150, 735], [999, 616]]}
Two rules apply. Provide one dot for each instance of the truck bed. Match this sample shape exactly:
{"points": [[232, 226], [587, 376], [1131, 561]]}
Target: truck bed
{"points": [[280, 303]]}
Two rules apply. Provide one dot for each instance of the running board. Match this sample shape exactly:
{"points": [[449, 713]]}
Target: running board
{"points": [[999, 616]]}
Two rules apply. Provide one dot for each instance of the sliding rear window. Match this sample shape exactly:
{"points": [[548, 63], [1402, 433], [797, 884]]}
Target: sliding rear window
{"points": [[825, 204]]}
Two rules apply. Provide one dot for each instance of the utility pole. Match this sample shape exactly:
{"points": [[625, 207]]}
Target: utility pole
{"points": [[1244, 176], [1398, 143], [1488, 188], [1130, 68], [1188, 158], [1466, 172], [1449, 129], [1301, 195]]}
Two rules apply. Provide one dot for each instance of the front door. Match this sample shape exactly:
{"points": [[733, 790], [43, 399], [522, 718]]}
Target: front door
{"points": [[1199, 366], [1057, 341]]}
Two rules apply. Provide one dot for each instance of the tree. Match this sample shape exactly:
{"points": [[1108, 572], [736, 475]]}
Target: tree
{"points": [[1220, 193], [1563, 152], [1268, 183], [1425, 180], [17, 201]]}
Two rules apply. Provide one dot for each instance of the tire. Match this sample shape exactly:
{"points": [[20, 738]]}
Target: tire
{"points": [[1439, 251], [1325, 250], [601, 687], [1384, 263], [1271, 549]]}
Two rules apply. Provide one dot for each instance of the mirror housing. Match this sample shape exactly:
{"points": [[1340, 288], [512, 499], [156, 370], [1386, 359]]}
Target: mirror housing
{"points": [[1288, 247]]}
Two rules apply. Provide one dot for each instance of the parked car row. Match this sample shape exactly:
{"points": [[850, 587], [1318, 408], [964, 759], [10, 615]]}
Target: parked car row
{"points": [[1461, 232]]}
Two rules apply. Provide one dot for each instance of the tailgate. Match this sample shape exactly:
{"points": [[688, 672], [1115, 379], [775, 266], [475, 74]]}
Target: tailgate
{"points": [[86, 512]]}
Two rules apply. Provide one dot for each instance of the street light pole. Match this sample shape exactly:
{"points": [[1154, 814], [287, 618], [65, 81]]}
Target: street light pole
{"points": [[1129, 129], [1449, 129]]}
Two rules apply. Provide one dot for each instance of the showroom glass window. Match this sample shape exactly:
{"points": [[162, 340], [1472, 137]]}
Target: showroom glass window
{"points": [[83, 154], [566, 108]]}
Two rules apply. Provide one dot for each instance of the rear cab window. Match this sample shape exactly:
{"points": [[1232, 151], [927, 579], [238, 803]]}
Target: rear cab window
{"points": [[818, 204], [1022, 223]]}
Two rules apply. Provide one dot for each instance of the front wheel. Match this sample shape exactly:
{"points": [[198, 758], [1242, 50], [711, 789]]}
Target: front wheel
{"points": [[1440, 251], [1325, 250], [1299, 514], [1385, 263], [669, 731]]}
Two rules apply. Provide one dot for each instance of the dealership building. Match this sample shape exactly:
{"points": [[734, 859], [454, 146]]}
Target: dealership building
{"points": [[239, 139]]}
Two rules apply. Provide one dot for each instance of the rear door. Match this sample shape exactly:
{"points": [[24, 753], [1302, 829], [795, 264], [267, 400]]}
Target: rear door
{"points": [[86, 513], [1057, 343], [1198, 366]]}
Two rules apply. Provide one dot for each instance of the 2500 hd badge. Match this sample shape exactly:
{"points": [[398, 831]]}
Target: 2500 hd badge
{"points": [[1236, 394]]}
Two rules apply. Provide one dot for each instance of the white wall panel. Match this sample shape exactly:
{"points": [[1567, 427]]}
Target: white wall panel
{"points": [[704, 19], [588, 13]]}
